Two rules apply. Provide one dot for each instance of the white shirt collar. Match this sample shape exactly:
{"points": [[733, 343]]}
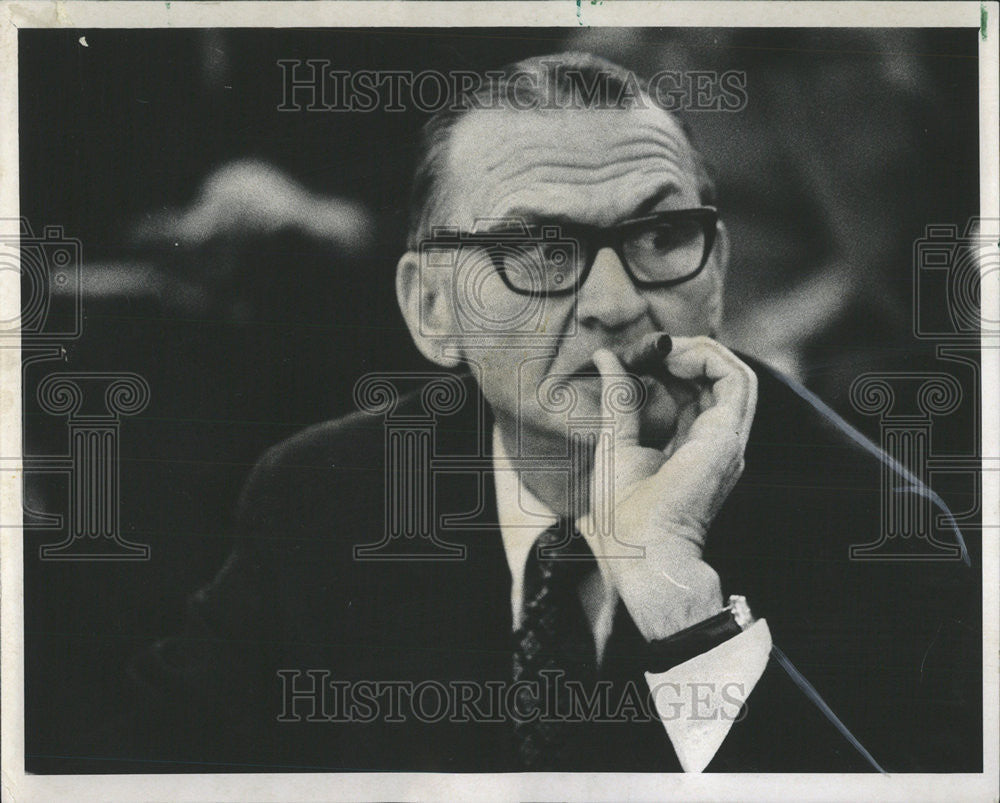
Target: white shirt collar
{"points": [[522, 518]]}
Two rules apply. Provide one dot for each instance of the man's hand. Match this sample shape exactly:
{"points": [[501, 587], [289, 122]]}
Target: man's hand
{"points": [[664, 501]]}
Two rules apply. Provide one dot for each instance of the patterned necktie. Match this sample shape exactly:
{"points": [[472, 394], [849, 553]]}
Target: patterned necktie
{"points": [[554, 644]]}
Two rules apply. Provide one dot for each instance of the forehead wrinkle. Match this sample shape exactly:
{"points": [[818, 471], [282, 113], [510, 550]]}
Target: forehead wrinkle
{"points": [[596, 157], [651, 149], [573, 172], [482, 164], [623, 162], [542, 198], [538, 128], [541, 180], [579, 174], [505, 169]]}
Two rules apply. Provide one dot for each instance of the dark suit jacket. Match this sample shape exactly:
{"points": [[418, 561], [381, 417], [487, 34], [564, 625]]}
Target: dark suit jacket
{"points": [[892, 646]]}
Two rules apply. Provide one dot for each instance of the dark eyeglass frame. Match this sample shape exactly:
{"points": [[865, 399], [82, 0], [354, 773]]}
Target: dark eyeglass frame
{"points": [[595, 238]]}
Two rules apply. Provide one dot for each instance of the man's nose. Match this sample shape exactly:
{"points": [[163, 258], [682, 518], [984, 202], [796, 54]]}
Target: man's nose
{"points": [[609, 298]]}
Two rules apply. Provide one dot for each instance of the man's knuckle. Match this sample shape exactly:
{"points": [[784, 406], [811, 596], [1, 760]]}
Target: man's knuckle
{"points": [[707, 581], [686, 524], [730, 443]]}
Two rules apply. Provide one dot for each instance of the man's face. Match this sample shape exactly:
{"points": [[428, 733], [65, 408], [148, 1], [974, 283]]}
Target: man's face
{"points": [[591, 167]]}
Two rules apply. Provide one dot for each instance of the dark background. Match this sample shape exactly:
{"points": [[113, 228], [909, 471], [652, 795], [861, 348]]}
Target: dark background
{"points": [[249, 325]]}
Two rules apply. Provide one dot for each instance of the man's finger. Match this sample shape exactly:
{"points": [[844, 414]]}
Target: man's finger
{"points": [[615, 384], [733, 384]]}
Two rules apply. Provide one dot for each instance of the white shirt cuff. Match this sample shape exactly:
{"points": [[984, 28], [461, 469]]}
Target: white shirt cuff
{"points": [[699, 700]]}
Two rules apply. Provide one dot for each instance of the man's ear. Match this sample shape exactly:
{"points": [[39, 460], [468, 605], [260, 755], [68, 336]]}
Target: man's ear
{"points": [[425, 301], [719, 265]]}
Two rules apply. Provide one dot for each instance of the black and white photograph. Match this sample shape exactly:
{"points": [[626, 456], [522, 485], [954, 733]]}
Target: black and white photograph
{"points": [[572, 400]]}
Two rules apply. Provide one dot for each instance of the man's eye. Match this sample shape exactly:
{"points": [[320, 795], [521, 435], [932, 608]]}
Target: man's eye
{"points": [[665, 237]]}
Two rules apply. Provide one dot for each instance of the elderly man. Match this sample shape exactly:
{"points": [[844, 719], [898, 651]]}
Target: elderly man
{"points": [[655, 583]]}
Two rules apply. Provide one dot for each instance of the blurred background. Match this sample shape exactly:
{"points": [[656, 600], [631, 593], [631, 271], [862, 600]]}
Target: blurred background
{"points": [[240, 258]]}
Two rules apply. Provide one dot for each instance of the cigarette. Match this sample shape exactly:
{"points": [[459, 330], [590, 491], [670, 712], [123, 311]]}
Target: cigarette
{"points": [[647, 354]]}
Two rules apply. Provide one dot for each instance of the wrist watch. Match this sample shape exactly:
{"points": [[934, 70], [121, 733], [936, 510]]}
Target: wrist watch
{"points": [[664, 654]]}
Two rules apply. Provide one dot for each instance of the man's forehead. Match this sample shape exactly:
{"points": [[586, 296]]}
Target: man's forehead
{"points": [[588, 165]]}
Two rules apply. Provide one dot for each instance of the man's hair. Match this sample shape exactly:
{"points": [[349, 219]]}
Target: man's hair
{"points": [[564, 80]]}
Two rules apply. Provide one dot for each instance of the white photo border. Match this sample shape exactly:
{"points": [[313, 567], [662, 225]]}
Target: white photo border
{"points": [[18, 786]]}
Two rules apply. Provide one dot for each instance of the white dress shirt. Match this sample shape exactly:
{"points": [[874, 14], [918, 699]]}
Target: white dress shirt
{"points": [[698, 700]]}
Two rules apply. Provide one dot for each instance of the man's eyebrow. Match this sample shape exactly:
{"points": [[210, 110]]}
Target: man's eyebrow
{"points": [[647, 206], [532, 217]]}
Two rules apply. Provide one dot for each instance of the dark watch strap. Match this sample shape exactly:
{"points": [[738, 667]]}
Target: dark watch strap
{"points": [[684, 645]]}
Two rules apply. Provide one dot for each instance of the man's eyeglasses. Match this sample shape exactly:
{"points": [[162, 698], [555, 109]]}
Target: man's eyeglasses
{"points": [[660, 250]]}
